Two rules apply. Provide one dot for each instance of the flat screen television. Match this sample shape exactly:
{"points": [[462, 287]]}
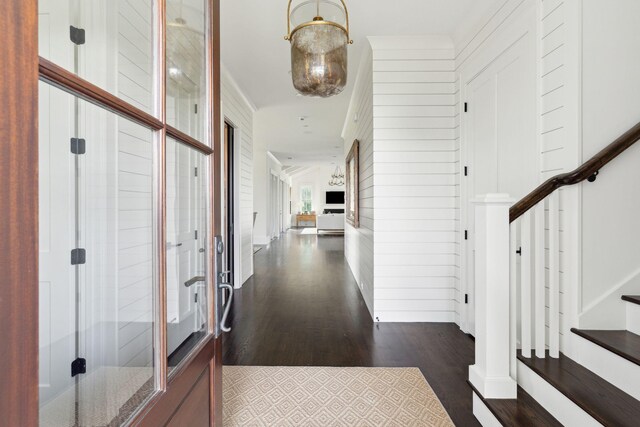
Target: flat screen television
{"points": [[335, 198]]}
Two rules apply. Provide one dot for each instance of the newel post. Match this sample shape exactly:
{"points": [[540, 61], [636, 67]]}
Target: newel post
{"points": [[490, 375]]}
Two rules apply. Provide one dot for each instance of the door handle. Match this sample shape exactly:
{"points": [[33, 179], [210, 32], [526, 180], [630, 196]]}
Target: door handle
{"points": [[194, 280], [227, 307], [222, 282]]}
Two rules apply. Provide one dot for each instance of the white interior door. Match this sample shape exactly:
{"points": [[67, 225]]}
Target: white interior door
{"points": [[184, 189], [501, 138]]}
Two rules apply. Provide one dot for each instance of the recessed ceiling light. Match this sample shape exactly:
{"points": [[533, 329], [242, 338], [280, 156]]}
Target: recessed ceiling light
{"points": [[290, 158], [302, 118]]}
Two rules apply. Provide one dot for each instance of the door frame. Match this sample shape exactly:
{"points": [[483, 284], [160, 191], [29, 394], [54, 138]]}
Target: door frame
{"points": [[23, 68], [237, 229], [499, 44]]}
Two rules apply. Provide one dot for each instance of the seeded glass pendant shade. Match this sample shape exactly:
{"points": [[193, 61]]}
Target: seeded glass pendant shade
{"points": [[319, 43]]}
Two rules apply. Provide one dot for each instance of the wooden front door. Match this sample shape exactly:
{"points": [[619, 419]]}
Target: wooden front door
{"points": [[93, 93]]}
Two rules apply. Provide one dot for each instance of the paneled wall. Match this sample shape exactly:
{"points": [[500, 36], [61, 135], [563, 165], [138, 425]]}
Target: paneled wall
{"points": [[415, 179], [359, 125], [239, 112]]}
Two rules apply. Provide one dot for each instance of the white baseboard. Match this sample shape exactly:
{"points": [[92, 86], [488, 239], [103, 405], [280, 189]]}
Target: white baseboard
{"points": [[633, 317], [415, 316], [556, 403], [261, 240], [483, 414], [615, 369]]}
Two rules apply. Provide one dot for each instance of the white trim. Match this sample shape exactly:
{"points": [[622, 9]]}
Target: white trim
{"points": [[261, 240], [633, 319], [427, 42], [558, 405], [275, 159], [483, 414], [573, 195], [225, 71], [615, 369], [362, 67]]}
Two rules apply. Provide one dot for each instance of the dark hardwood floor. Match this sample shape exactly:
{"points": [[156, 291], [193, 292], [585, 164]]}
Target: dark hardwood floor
{"points": [[303, 307]]}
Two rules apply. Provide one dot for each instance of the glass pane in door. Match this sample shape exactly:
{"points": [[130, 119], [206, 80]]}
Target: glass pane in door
{"points": [[96, 285], [107, 42], [187, 237], [186, 67]]}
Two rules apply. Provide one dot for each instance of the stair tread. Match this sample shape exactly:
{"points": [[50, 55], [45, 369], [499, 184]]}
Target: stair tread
{"points": [[635, 299], [524, 411], [606, 403], [623, 343]]}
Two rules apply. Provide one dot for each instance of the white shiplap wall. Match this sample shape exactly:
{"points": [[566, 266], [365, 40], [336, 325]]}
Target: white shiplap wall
{"points": [[415, 179], [359, 242], [135, 186], [239, 112]]}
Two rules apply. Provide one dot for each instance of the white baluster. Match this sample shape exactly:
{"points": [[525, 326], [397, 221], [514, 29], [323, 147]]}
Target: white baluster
{"points": [[540, 285], [554, 274], [525, 285], [513, 300]]}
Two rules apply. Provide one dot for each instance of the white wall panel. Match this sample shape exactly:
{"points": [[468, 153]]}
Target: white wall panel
{"points": [[359, 242], [415, 189]]}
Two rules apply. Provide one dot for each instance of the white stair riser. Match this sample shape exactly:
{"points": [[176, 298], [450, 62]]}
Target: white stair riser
{"points": [[633, 318], [615, 369], [483, 414], [556, 403]]}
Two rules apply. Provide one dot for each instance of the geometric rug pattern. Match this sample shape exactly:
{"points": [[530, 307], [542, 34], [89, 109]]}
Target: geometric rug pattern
{"points": [[324, 396]]}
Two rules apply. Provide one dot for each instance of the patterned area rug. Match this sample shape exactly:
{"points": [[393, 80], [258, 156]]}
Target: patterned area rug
{"points": [[317, 396]]}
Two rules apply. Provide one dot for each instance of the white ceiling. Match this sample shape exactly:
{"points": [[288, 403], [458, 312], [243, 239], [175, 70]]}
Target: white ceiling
{"points": [[257, 56]]}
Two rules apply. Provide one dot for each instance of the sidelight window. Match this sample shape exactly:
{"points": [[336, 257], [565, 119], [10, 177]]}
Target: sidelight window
{"points": [[96, 262]]}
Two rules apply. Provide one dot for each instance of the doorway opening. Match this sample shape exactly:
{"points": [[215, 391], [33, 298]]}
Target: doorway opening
{"points": [[229, 200]]}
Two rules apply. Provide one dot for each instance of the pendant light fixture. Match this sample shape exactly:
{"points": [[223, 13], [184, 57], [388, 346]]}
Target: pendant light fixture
{"points": [[337, 179], [319, 41]]}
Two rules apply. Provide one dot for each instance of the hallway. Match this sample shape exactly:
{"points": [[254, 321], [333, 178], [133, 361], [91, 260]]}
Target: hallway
{"points": [[302, 307]]}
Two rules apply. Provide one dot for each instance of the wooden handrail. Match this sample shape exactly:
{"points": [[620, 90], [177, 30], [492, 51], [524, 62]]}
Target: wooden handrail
{"points": [[587, 170]]}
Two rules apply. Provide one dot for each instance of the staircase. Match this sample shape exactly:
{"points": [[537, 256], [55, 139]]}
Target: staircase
{"points": [[523, 375]]}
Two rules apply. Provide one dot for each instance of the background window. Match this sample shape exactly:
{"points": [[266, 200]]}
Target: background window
{"points": [[306, 199]]}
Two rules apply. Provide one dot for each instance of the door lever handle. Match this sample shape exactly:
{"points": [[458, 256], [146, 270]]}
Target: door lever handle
{"points": [[194, 280], [227, 308]]}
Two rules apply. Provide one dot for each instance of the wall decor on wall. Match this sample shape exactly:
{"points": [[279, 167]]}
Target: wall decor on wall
{"points": [[353, 185]]}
